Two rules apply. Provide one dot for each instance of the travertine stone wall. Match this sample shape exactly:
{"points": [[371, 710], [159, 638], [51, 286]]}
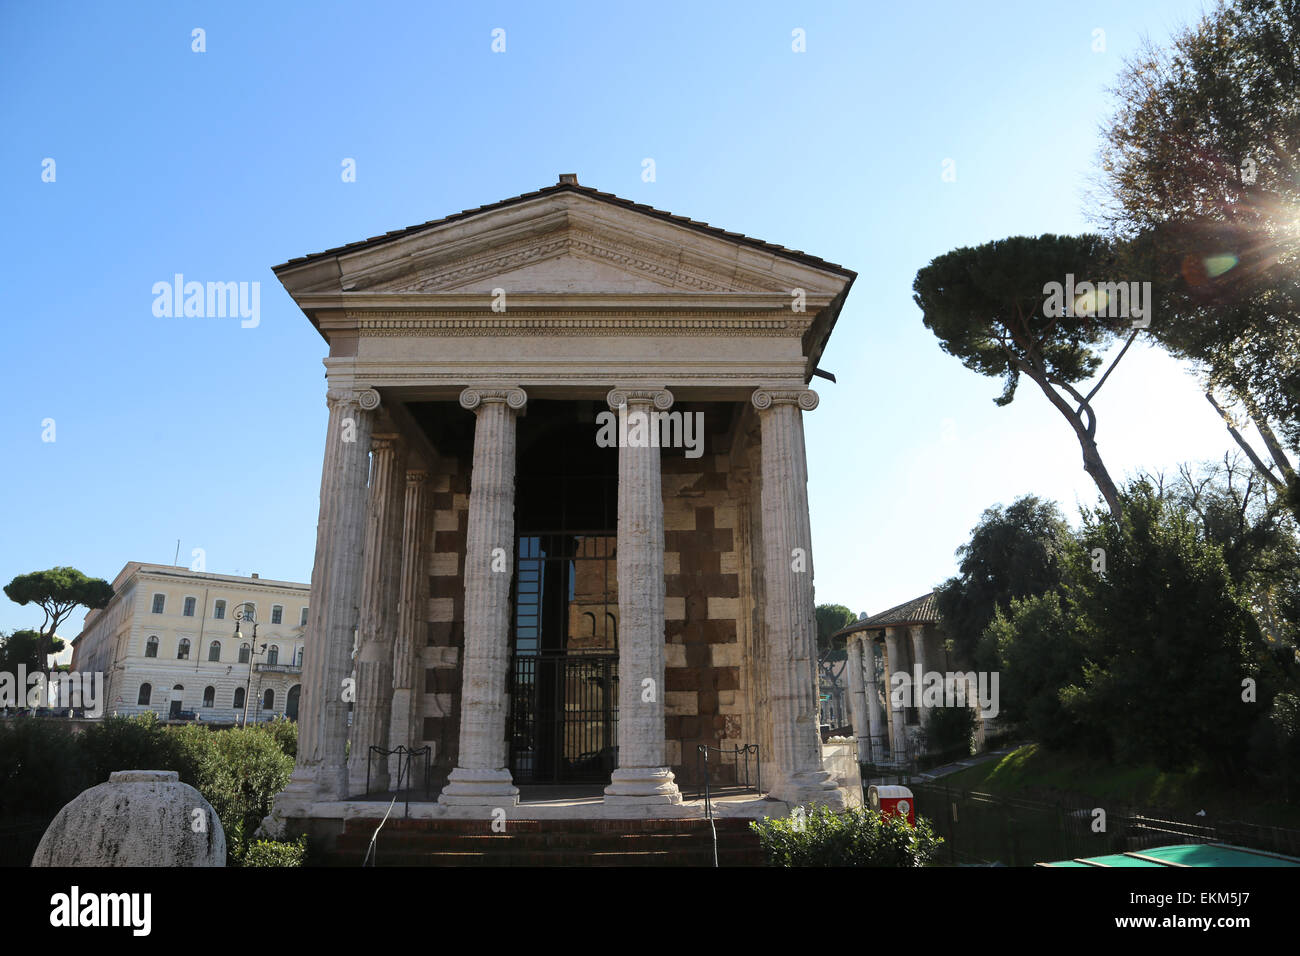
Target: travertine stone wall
{"points": [[441, 656]]}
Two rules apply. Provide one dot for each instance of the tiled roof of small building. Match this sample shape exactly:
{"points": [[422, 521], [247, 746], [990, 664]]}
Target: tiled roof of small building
{"points": [[571, 185], [921, 610]]}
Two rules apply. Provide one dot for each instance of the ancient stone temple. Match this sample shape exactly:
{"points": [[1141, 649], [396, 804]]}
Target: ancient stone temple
{"points": [[564, 532]]}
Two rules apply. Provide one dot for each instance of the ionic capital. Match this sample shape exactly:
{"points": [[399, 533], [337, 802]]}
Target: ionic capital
{"points": [[476, 395], [765, 398], [660, 398], [416, 476], [366, 399]]}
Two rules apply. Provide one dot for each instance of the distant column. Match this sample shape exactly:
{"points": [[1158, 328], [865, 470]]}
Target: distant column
{"points": [[410, 619], [381, 579], [790, 613], [481, 777], [642, 776], [874, 717], [917, 633], [898, 719], [858, 697]]}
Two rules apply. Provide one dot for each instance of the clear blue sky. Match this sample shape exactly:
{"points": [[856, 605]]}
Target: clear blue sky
{"points": [[222, 164]]}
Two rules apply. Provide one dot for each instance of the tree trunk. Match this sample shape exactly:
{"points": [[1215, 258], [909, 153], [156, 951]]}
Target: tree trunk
{"points": [[1092, 462]]}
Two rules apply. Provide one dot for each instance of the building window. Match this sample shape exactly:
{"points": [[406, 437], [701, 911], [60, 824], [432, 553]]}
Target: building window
{"points": [[302, 618], [209, 697], [273, 655], [277, 613], [188, 610], [146, 691], [268, 700], [151, 647], [219, 610], [183, 649], [297, 658], [239, 699], [159, 602], [243, 653], [214, 651]]}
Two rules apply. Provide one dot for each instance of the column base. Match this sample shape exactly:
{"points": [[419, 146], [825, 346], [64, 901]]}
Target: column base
{"points": [[642, 786], [479, 788], [810, 787]]}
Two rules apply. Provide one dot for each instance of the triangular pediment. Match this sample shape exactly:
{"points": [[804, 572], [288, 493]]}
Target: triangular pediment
{"points": [[565, 241]]}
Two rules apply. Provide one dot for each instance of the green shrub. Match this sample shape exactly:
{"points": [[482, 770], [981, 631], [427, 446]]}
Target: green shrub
{"points": [[240, 774], [40, 769], [275, 853], [856, 837], [284, 732], [134, 743]]}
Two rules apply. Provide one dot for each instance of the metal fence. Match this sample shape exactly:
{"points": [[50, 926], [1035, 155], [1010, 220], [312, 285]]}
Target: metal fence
{"points": [[987, 828]]}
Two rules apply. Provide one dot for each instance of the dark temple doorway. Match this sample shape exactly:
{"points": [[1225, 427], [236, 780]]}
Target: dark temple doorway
{"points": [[563, 720]]}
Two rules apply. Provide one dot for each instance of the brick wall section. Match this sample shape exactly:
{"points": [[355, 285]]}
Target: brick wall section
{"points": [[445, 641], [703, 702]]}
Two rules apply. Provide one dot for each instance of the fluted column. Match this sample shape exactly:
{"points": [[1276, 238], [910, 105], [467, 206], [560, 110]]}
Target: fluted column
{"points": [[858, 697], [410, 619], [380, 580], [481, 777], [790, 613], [897, 717], [642, 776], [320, 770], [877, 751], [917, 633]]}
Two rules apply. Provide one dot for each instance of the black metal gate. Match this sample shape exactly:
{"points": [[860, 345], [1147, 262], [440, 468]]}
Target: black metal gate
{"points": [[563, 720]]}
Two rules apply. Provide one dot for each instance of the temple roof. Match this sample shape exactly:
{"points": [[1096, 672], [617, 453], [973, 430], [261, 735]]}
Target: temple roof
{"points": [[921, 610], [569, 183]]}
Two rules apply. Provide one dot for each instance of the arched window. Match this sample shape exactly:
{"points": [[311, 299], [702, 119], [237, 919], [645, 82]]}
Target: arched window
{"points": [[268, 700], [238, 703], [214, 651], [183, 649], [243, 653], [146, 691], [219, 610], [151, 646], [273, 655], [209, 696]]}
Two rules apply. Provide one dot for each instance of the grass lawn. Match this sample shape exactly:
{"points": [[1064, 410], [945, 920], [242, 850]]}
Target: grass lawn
{"points": [[1036, 773]]}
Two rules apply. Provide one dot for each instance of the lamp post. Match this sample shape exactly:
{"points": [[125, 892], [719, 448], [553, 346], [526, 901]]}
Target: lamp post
{"points": [[247, 612]]}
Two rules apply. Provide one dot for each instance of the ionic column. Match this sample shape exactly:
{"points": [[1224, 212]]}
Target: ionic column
{"points": [[410, 620], [320, 770], [877, 741], [642, 776], [380, 580], [917, 633], [858, 698], [898, 720], [790, 613], [481, 777]]}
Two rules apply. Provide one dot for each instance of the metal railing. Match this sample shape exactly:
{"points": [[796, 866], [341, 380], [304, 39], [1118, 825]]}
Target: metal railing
{"points": [[741, 780]]}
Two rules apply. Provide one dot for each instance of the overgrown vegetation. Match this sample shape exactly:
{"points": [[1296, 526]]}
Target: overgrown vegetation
{"points": [[856, 837]]}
